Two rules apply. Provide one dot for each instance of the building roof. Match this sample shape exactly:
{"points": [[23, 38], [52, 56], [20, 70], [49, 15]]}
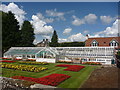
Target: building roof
{"points": [[29, 50], [103, 41]]}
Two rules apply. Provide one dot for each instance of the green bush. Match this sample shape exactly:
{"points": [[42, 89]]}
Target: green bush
{"points": [[118, 55]]}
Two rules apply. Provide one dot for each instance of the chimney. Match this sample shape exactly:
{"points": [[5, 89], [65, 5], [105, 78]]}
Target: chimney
{"points": [[46, 39], [87, 36], [118, 34]]}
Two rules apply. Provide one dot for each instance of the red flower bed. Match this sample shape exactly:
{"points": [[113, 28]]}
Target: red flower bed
{"points": [[53, 79], [31, 60], [4, 58], [17, 59], [7, 61], [92, 63], [74, 68]]}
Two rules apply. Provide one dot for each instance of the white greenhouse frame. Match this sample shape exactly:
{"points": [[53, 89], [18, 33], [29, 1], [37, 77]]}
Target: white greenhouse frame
{"points": [[103, 55]]}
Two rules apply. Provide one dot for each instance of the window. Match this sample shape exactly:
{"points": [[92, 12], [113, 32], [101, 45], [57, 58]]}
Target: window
{"points": [[94, 43], [28, 56], [113, 43], [33, 56]]}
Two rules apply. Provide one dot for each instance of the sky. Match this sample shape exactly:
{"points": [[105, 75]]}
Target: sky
{"points": [[71, 20]]}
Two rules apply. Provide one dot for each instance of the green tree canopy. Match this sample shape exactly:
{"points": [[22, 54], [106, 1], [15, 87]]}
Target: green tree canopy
{"points": [[72, 44], [27, 34], [54, 40], [10, 31]]}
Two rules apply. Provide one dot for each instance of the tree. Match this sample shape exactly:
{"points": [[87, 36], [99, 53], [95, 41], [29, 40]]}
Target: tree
{"points": [[118, 59], [72, 44], [27, 34], [54, 40], [10, 31]]}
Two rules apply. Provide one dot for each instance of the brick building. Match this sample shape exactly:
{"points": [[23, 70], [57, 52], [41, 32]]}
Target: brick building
{"points": [[103, 42], [43, 43]]}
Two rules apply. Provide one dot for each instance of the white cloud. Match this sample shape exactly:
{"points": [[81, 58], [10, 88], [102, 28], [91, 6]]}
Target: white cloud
{"points": [[40, 16], [77, 21], [35, 41], [107, 19], [109, 31], [76, 37], [85, 31], [90, 18], [41, 27], [62, 40], [55, 13], [47, 20], [47, 37], [19, 13], [67, 31]]}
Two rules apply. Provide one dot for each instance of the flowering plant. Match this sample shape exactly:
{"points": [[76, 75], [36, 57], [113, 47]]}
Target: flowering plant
{"points": [[92, 63], [63, 61], [7, 61], [34, 63], [53, 79], [5, 58], [77, 59], [74, 68], [31, 60], [24, 67], [17, 59]]}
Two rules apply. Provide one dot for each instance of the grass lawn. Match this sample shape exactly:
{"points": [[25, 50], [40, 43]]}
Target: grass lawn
{"points": [[75, 81]]}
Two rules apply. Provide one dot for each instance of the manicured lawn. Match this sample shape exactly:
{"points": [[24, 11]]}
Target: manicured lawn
{"points": [[75, 81]]}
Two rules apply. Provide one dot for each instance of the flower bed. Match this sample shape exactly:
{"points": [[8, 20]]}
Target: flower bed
{"points": [[74, 68], [63, 61], [23, 67], [31, 60], [7, 61], [33, 63], [92, 63], [17, 59], [53, 79], [4, 58]]}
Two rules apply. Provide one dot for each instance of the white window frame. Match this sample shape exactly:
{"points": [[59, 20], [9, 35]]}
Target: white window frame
{"points": [[113, 43], [94, 43]]}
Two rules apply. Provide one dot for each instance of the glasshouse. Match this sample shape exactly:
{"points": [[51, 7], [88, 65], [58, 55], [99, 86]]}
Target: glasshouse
{"points": [[40, 54], [103, 55]]}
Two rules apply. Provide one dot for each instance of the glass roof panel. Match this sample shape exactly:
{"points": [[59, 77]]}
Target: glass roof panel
{"points": [[22, 51]]}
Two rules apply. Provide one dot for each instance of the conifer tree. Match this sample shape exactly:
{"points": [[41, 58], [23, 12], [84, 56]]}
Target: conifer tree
{"points": [[10, 31], [54, 40], [27, 34]]}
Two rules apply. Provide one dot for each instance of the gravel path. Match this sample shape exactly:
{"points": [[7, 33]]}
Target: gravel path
{"points": [[104, 77]]}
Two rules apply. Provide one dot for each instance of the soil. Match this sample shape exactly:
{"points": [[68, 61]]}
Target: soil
{"points": [[104, 77]]}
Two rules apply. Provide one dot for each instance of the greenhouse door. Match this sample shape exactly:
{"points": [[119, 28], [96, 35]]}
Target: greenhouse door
{"points": [[112, 61], [24, 56]]}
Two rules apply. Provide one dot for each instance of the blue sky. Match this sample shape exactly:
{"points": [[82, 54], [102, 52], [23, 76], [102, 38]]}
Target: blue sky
{"points": [[72, 21]]}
